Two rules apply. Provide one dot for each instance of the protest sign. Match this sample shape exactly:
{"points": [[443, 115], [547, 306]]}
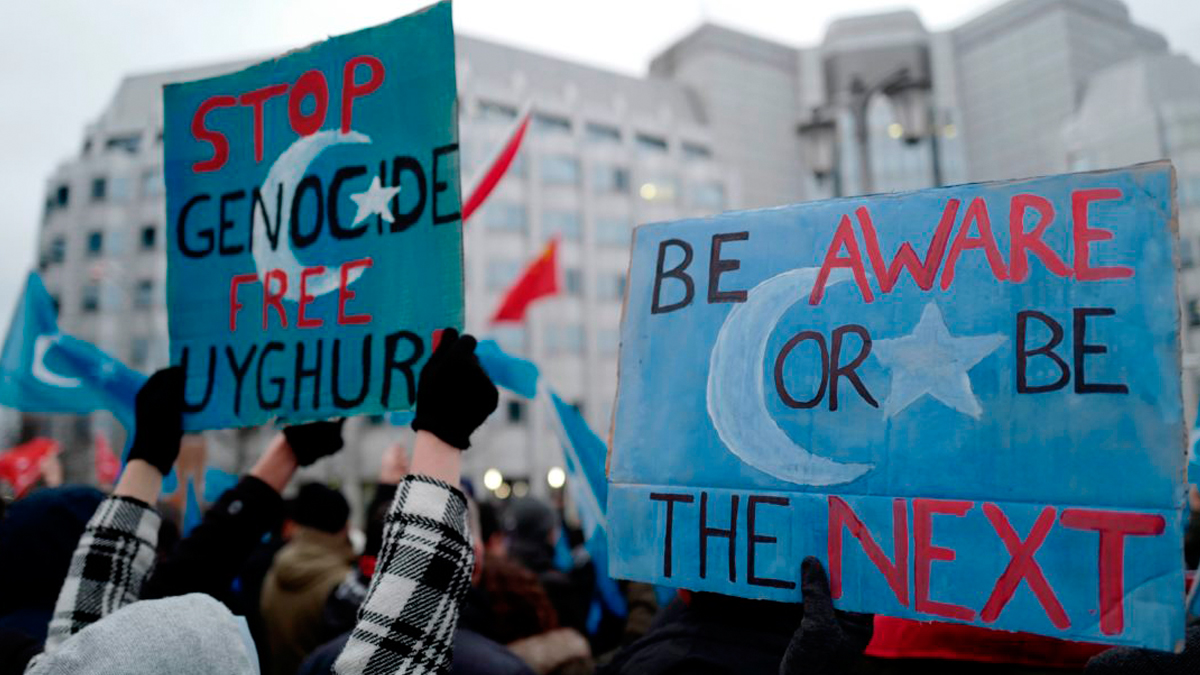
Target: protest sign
{"points": [[965, 401], [314, 231]]}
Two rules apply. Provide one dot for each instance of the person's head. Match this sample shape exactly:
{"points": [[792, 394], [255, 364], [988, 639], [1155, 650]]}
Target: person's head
{"points": [[531, 520], [44, 527], [186, 634], [495, 542], [320, 507]]}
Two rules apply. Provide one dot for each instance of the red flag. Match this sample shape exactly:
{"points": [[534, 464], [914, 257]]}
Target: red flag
{"points": [[108, 467], [538, 280], [496, 169], [22, 465]]}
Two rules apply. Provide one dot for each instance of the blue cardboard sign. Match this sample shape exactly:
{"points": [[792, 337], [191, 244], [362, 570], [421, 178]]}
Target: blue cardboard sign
{"points": [[314, 234], [965, 401]]}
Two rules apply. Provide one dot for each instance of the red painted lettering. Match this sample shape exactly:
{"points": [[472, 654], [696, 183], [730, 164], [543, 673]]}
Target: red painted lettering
{"points": [[255, 99], [924, 553], [311, 83], [906, 258], [352, 90], [216, 139], [301, 320], [1113, 527], [1082, 236], [1021, 241], [345, 294], [1023, 566], [894, 571], [234, 305], [274, 298], [976, 213], [842, 238]]}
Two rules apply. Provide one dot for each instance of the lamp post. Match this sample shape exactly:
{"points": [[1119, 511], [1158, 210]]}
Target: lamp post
{"points": [[912, 100]]}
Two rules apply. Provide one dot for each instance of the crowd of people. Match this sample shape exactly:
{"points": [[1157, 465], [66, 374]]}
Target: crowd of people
{"points": [[95, 583]]}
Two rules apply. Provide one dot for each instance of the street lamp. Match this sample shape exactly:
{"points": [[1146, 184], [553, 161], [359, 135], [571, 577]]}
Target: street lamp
{"points": [[912, 100], [818, 139]]}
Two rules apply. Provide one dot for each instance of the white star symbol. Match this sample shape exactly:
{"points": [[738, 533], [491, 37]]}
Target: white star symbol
{"points": [[932, 361], [374, 201]]}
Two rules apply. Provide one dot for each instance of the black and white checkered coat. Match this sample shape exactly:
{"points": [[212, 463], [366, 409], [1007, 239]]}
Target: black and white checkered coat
{"points": [[406, 625], [111, 561]]}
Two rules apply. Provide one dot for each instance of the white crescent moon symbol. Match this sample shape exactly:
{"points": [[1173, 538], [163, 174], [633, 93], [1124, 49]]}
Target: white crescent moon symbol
{"points": [[737, 397], [43, 374], [287, 170]]}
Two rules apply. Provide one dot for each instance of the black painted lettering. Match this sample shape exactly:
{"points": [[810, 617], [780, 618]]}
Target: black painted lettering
{"points": [[239, 374], [302, 374], [226, 224], [780, 362], [441, 186], [184, 359], [718, 266], [364, 375], [402, 220], [206, 234], [405, 365], [280, 384], [850, 370], [1082, 349], [753, 539], [306, 185], [670, 499], [342, 175], [1047, 350], [676, 272], [730, 534]]}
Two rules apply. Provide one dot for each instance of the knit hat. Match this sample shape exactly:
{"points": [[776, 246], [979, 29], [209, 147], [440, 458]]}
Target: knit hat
{"points": [[320, 507], [192, 634]]}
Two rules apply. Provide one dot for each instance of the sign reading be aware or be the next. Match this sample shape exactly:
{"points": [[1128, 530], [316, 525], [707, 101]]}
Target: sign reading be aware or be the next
{"points": [[965, 401], [313, 225]]}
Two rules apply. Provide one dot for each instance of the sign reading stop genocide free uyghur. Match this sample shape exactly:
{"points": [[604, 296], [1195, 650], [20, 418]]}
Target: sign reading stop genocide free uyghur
{"points": [[965, 401], [315, 240]]}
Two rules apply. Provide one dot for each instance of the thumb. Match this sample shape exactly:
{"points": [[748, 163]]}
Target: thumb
{"points": [[814, 585]]}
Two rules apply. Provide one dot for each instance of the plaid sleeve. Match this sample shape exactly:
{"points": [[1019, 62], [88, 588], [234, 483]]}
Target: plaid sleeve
{"points": [[111, 560], [406, 625]]}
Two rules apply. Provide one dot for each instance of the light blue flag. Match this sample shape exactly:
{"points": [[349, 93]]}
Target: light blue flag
{"points": [[513, 373], [584, 453], [192, 514], [216, 482]]}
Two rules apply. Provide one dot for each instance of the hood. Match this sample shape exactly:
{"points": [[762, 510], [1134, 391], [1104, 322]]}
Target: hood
{"points": [[310, 558]]}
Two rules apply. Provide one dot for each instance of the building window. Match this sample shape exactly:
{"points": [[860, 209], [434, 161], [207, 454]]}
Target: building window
{"points": [[608, 179], [119, 189], [613, 230], [62, 196], [500, 273], [127, 142], [551, 125], [149, 237], [573, 278], [516, 411], [710, 195], [152, 182], [58, 250], [505, 216], [565, 223], [496, 112], [695, 151], [608, 341], [651, 144], [139, 352], [95, 243], [91, 298], [564, 339], [1193, 312], [560, 170], [661, 188], [99, 189], [612, 286], [143, 295], [602, 133]]}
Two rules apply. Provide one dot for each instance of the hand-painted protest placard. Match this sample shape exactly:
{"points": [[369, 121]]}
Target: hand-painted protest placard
{"points": [[965, 401], [314, 232]]}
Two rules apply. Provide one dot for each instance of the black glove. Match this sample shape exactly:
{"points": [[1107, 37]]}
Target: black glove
{"points": [[159, 414], [828, 641], [454, 395], [314, 440]]}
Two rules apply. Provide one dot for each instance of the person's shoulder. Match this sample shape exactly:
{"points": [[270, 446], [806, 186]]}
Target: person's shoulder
{"points": [[475, 654]]}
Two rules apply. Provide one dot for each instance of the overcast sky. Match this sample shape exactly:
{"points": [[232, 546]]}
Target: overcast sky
{"points": [[61, 60]]}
